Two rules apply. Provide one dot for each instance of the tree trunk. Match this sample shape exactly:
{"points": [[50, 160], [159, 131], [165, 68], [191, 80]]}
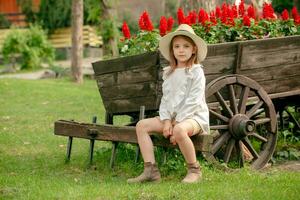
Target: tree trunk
{"points": [[77, 40], [109, 12]]}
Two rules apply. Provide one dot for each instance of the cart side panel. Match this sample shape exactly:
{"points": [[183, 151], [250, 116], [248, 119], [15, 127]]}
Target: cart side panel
{"points": [[273, 63], [129, 82], [221, 60]]}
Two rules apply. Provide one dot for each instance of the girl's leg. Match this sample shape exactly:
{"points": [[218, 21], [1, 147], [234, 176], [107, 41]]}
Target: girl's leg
{"points": [[143, 128], [182, 132]]}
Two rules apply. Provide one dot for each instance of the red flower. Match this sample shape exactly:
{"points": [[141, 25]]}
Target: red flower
{"points": [[295, 13], [224, 13], [297, 20], [180, 16], [163, 26], [125, 30], [242, 8], [213, 18], [145, 22], [192, 17], [218, 12], [246, 20], [142, 23], [230, 18], [170, 23], [234, 11], [187, 20], [202, 16], [285, 15], [268, 11], [251, 12]]}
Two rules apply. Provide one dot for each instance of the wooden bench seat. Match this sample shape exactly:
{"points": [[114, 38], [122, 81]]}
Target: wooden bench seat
{"points": [[117, 134]]}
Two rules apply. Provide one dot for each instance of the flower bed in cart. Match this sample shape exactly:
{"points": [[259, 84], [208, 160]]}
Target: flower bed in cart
{"points": [[227, 23]]}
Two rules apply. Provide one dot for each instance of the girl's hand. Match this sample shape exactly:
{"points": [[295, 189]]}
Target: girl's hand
{"points": [[172, 140], [168, 129]]}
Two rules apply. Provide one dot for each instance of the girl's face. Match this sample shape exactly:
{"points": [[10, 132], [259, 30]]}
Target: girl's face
{"points": [[183, 50]]}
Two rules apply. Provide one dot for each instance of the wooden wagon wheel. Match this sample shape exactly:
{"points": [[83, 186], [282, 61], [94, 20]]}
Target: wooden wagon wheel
{"points": [[241, 107]]}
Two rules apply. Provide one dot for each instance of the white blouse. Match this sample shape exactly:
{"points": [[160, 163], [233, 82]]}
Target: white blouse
{"points": [[184, 96]]}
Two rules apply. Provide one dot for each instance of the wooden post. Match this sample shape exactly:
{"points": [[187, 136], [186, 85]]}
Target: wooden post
{"points": [[92, 143]]}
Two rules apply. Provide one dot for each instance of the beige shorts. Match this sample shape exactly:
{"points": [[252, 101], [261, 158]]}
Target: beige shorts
{"points": [[197, 129], [196, 126]]}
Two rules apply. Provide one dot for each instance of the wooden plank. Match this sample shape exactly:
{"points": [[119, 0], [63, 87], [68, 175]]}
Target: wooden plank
{"points": [[266, 59], [125, 91], [221, 49], [120, 134], [270, 44], [138, 75], [131, 104], [273, 72], [281, 85], [222, 65], [272, 52], [126, 63]]}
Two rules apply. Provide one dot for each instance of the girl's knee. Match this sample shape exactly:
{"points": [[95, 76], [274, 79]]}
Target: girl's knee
{"points": [[179, 133], [141, 125]]}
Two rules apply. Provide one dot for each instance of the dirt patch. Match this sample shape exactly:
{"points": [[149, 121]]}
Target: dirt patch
{"points": [[288, 166]]}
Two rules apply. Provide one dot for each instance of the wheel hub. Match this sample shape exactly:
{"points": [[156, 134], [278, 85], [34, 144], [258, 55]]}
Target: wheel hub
{"points": [[240, 126]]}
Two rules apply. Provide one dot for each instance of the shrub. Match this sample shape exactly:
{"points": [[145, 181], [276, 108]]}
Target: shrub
{"points": [[4, 23], [31, 45]]}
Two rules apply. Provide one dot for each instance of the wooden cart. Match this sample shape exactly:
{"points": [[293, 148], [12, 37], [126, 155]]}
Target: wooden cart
{"points": [[248, 83]]}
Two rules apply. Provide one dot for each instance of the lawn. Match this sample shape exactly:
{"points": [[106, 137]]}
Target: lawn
{"points": [[32, 158]]}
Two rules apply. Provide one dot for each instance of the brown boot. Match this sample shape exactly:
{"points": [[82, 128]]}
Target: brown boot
{"points": [[150, 174], [194, 173]]}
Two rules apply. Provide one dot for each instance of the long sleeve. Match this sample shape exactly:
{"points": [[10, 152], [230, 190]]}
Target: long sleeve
{"points": [[163, 111]]}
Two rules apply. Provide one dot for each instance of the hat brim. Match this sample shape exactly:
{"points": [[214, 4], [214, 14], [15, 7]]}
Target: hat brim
{"points": [[165, 41]]}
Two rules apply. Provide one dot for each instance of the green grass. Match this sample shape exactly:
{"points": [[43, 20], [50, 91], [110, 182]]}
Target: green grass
{"points": [[32, 158]]}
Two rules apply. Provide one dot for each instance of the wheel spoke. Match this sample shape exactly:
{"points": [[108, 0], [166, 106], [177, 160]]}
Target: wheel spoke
{"points": [[261, 138], [249, 146], [243, 100], [219, 127], [219, 116], [228, 151], [220, 141], [253, 110], [258, 112], [239, 146], [262, 121], [232, 99], [223, 103]]}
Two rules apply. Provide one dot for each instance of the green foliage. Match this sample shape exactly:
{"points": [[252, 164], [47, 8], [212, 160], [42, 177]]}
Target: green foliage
{"points": [[4, 23], [54, 14], [107, 31], [31, 45], [92, 12], [289, 137], [144, 41], [27, 10], [280, 5]]}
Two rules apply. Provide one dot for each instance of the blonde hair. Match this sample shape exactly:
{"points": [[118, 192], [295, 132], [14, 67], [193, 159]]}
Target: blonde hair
{"points": [[193, 59]]}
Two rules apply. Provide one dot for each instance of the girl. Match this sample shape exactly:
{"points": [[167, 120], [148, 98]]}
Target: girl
{"points": [[183, 111]]}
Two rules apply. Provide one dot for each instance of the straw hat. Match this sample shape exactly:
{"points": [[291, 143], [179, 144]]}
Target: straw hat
{"points": [[183, 29]]}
